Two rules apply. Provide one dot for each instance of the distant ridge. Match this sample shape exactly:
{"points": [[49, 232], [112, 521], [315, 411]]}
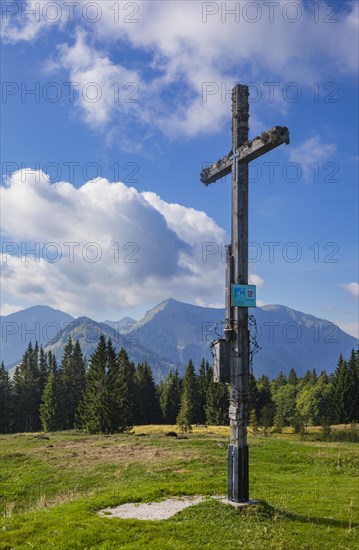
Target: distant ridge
{"points": [[41, 323], [173, 332]]}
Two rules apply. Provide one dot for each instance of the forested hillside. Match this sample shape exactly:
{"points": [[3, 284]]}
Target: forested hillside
{"points": [[111, 394]]}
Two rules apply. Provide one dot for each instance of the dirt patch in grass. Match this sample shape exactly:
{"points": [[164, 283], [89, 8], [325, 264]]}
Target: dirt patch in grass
{"points": [[88, 453]]}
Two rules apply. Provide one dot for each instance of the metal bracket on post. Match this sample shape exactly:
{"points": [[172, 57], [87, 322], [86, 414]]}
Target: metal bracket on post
{"points": [[221, 358], [234, 161]]}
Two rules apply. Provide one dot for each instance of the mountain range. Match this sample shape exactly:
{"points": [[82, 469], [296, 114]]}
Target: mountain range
{"points": [[173, 332]]}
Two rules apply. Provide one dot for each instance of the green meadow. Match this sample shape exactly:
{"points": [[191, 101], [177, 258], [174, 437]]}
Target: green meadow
{"points": [[53, 484]]}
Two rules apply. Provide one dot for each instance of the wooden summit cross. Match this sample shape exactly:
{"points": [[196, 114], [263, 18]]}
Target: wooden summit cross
{"points": [[234, 349]]}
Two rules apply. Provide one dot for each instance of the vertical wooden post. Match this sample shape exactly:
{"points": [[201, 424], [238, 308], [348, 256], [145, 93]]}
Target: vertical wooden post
{"points": [[236, 329], [239, 364]]}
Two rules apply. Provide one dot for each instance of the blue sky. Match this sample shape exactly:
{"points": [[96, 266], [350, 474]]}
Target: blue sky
{"points": [[101, 164]]}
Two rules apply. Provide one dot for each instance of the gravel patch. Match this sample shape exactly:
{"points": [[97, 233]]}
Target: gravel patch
{"points": [[151, 510]]}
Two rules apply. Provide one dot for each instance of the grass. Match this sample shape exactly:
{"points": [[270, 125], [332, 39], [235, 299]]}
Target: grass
{"points": [[51, 489]]}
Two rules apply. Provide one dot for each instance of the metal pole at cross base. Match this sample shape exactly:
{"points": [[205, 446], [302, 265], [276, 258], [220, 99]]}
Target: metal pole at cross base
{"points": [[232, 353]]}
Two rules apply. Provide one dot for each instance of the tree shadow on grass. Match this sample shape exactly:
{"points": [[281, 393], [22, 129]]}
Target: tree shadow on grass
{"points": [[267, 510]]}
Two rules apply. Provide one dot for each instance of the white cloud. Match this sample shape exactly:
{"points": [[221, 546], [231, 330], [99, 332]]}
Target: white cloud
{"points": [[102, 88], [179, 49], [255, 279], [25, 21], [353, 288], [7, 309], [311, 153], [146, 249]]}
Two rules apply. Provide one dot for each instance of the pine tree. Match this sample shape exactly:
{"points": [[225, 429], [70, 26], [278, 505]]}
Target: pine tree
{"points": [[189, 409], [93, 413], [171, 397], [217, 404], [50, 408], [5, 401], [26, 392], [148, 409]]}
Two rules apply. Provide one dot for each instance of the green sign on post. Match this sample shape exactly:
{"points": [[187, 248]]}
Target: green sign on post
{"points": [[244, 295]]}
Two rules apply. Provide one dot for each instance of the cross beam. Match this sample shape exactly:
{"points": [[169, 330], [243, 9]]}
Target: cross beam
{"points": [[236, 329], [250, 150]]}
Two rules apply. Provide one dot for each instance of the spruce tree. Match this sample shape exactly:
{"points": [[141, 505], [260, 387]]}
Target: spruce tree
{"points": [[266, 417], [44, 370], [73, 380], [26, 392], [278, 421], [217, 404], [341, 403], [190, 404], [292, 377], [281, 380], [306, 380], [5, 401], [171, 397], [285, 401], [121, 391], [51, 362], [253, 421], [253, 393], [313, 376], [204, 379], [265, 403], [50, 408], [353, 368], [93, 412], [147, 409], [298, 423]]}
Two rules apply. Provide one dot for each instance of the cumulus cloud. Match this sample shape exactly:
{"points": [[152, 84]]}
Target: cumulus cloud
{"points": [[101, 86], [105, 247], [184, 46], [353, 288]]}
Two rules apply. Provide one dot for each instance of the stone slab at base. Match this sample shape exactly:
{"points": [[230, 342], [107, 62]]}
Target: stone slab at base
{"points": [[165, 508], [243, 504]]}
